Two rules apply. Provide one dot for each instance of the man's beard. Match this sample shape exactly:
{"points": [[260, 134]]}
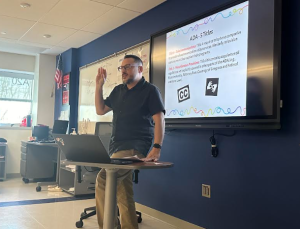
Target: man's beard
{"points": [[129, 81]]}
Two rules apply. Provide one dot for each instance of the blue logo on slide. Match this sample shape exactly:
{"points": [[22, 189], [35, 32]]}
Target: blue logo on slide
{"points": [[183, 93]]}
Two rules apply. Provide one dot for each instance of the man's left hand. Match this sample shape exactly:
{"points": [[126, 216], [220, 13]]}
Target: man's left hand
{"points": [[154, 155]]}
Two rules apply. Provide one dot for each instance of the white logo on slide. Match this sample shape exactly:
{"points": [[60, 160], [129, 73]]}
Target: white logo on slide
{"points": [[212, 86]]}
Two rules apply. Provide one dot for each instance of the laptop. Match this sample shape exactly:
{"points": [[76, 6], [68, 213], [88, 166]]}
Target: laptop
{"points": [[88, 148]]}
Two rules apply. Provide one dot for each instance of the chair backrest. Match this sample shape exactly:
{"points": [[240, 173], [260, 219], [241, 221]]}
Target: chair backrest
{"points": [[104, 130]]}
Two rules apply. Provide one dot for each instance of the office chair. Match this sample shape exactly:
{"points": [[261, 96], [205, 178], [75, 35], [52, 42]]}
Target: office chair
{"points": [[104, 131]]}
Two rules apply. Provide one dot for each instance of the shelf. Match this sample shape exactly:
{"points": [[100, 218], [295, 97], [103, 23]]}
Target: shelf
{"points": [[68, 169], [3, 161], [68, 178], [67, 190]]}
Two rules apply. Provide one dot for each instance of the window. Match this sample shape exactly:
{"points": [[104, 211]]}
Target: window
{"points": [[15, 96]]}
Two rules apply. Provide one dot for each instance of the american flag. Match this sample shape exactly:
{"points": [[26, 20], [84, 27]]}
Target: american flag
{"points": [[58, 73]]}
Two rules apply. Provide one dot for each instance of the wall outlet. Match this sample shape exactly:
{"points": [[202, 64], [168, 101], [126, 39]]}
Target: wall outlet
{"points": [[206, 190]]}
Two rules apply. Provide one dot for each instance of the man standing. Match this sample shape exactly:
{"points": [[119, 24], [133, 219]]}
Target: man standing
{"points": [[136, 106]]}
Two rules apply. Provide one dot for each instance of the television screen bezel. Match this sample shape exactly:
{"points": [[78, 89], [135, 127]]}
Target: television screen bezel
{"points": [[248, 122]]}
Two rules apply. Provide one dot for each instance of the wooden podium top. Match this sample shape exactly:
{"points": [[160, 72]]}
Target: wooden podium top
{"points": [[136, 165]]}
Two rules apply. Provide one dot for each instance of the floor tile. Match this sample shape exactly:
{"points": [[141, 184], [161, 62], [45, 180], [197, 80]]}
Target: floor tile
{"points": [[16, 190], [56, 215]]}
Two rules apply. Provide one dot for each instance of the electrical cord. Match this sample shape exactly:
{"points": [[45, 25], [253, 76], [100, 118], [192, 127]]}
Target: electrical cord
{"points": [[214, 148], [213, 142], [168, 132]]}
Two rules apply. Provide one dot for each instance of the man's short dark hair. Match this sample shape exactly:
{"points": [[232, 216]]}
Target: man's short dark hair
{"points": [[136, 59]]}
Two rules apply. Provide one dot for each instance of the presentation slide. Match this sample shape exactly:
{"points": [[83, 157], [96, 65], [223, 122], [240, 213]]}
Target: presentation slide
{"points": [[206, 66]]}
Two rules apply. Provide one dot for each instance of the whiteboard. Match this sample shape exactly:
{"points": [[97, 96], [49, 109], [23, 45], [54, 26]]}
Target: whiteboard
{"points": [[87, 116]]}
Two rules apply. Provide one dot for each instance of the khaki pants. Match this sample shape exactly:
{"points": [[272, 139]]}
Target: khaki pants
{"points": [[125, 199]]}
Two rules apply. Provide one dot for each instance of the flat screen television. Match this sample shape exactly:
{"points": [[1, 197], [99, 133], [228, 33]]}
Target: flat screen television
{"points": [[221, 70]]}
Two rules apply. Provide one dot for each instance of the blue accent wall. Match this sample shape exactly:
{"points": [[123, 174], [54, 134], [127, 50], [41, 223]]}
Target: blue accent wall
{"points": [[255, 180], [66, 67], [70, 65]]}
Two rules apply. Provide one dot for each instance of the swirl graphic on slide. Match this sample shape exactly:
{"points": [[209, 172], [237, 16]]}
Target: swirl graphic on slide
{"points": [[231, 13], [210, 112]]}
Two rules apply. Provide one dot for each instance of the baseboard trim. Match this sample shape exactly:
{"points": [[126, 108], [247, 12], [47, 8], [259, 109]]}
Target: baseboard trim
{"points": [[13, 175], [178, 223]]}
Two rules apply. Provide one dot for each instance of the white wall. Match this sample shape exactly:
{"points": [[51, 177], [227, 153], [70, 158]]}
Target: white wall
{"points": [[43, 104], [23, 63], [44, 89], [34, 109], [14, 136], [17, 62]]}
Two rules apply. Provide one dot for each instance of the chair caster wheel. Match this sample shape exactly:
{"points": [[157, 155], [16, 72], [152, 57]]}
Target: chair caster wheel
{"points": [[79, 224], [140, 219], [38, 188], [25, 180]]}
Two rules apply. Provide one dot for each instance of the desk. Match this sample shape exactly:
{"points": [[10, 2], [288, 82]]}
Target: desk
{"points": [[37, 160], [3, 161], [111, 184], [56, 182]]}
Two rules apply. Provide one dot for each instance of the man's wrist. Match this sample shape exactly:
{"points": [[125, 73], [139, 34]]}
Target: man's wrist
{"points": [[99, 88], [157, 146]]}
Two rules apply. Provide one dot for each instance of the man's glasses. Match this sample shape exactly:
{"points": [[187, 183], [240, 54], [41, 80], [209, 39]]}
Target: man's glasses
{"points": [[126, 67]]}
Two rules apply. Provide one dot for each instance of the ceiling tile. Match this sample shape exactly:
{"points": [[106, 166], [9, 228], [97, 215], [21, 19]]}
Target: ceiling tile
{"points": [[35, 44], [55, 50], [35, 12], [19, 48], [57, 33], [110, 21], [8, 40], [71, 23], [109, 2], [79, 39], [13, 27], [136, 5], [79, 13]]}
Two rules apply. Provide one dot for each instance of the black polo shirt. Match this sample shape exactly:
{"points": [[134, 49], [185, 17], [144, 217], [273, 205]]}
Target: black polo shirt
{"points": [[133, 126]]}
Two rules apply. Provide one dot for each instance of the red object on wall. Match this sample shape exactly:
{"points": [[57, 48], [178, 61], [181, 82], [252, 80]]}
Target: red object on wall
{"points": [[65, 89]]}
